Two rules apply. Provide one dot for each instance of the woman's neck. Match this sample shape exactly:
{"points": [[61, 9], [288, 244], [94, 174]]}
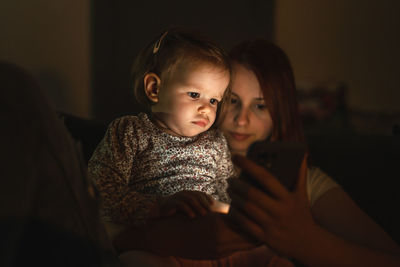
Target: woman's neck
{"points": [[238, 152]]}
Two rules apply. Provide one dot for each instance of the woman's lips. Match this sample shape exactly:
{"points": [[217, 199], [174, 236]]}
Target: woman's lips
{"points": [[239, 136]]}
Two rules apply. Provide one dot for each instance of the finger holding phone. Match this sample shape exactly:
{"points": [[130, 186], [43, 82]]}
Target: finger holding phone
{"points": [[271, 213]]}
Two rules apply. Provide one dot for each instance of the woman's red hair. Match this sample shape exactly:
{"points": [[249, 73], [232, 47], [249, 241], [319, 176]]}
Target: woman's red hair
{"points": [[275, 75]]}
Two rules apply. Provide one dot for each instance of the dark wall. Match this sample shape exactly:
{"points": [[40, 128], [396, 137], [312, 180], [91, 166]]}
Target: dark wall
{"points": [[121, 28]]}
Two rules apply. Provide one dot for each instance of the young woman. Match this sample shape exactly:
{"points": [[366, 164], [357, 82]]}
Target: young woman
{"points": [[317, 224]]}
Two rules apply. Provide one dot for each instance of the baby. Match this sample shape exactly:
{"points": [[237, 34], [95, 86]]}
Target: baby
{"points": [[170, 158]]}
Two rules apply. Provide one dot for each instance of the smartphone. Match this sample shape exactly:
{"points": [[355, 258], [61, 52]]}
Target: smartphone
{"points": [[282, 158]]}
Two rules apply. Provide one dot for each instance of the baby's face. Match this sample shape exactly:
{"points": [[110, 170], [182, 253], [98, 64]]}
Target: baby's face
{"points": [[187, 104]]}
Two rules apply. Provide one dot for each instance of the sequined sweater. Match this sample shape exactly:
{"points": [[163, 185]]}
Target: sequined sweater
{"points": [[136, 162]]}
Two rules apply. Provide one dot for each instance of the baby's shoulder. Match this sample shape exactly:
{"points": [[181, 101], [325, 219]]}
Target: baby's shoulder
{"points": [[131, 127], [215, 138], [130, 122], [215, 135]]}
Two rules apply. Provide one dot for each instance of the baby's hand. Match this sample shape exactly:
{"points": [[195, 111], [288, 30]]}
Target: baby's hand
{"points": [[192, 203]]}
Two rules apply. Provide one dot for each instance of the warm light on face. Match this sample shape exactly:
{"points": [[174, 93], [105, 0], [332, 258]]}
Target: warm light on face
{"points": [[187, 105], [247, 119]]}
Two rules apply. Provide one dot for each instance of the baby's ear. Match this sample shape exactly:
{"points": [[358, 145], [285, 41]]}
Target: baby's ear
{"points": [[152, 86]]}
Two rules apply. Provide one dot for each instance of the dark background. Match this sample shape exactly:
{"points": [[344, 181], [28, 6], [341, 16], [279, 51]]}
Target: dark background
{"points": [[121, 28], [344, 53]]}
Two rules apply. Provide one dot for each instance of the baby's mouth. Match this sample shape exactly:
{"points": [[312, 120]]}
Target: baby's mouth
{"points": [[201, 123]]}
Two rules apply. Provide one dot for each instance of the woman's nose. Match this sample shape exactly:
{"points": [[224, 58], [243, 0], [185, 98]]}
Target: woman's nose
{"points": [[242, 117]]}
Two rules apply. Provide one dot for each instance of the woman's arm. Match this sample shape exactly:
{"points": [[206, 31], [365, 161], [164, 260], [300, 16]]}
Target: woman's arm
{"points": [[205, 237], [327, 249], [338, 214], [283, 220]]}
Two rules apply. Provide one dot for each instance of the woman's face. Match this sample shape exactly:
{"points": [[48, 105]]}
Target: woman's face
{"points": [[247, 119]]}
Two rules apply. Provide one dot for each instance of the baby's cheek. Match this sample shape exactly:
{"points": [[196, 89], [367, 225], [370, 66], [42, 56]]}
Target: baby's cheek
{"points": [[212, 117]]}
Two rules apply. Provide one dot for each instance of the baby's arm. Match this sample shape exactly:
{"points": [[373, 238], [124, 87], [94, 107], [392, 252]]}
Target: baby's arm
{"points": [[119, 203], [224, 171], [110, 169]]}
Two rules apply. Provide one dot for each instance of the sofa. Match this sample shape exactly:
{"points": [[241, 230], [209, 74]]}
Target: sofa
{"points": [[366, 166]]}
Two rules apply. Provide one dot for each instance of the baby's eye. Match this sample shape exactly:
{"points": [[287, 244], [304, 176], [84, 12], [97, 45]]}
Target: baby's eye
{"points": [[234, 100], [193, 95], [213, 101]]}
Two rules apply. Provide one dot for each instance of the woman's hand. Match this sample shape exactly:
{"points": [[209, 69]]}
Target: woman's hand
{"points": [[192, 203], [205, 237], [281, 219]]}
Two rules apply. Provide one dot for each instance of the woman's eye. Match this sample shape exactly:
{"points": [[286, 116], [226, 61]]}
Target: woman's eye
{"points": [[213, 101], [261, 106], [234, 101], [194, 95]]}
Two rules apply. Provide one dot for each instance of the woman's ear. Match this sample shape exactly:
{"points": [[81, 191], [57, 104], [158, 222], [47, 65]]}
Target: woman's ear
{"points": [[152, 86]]}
